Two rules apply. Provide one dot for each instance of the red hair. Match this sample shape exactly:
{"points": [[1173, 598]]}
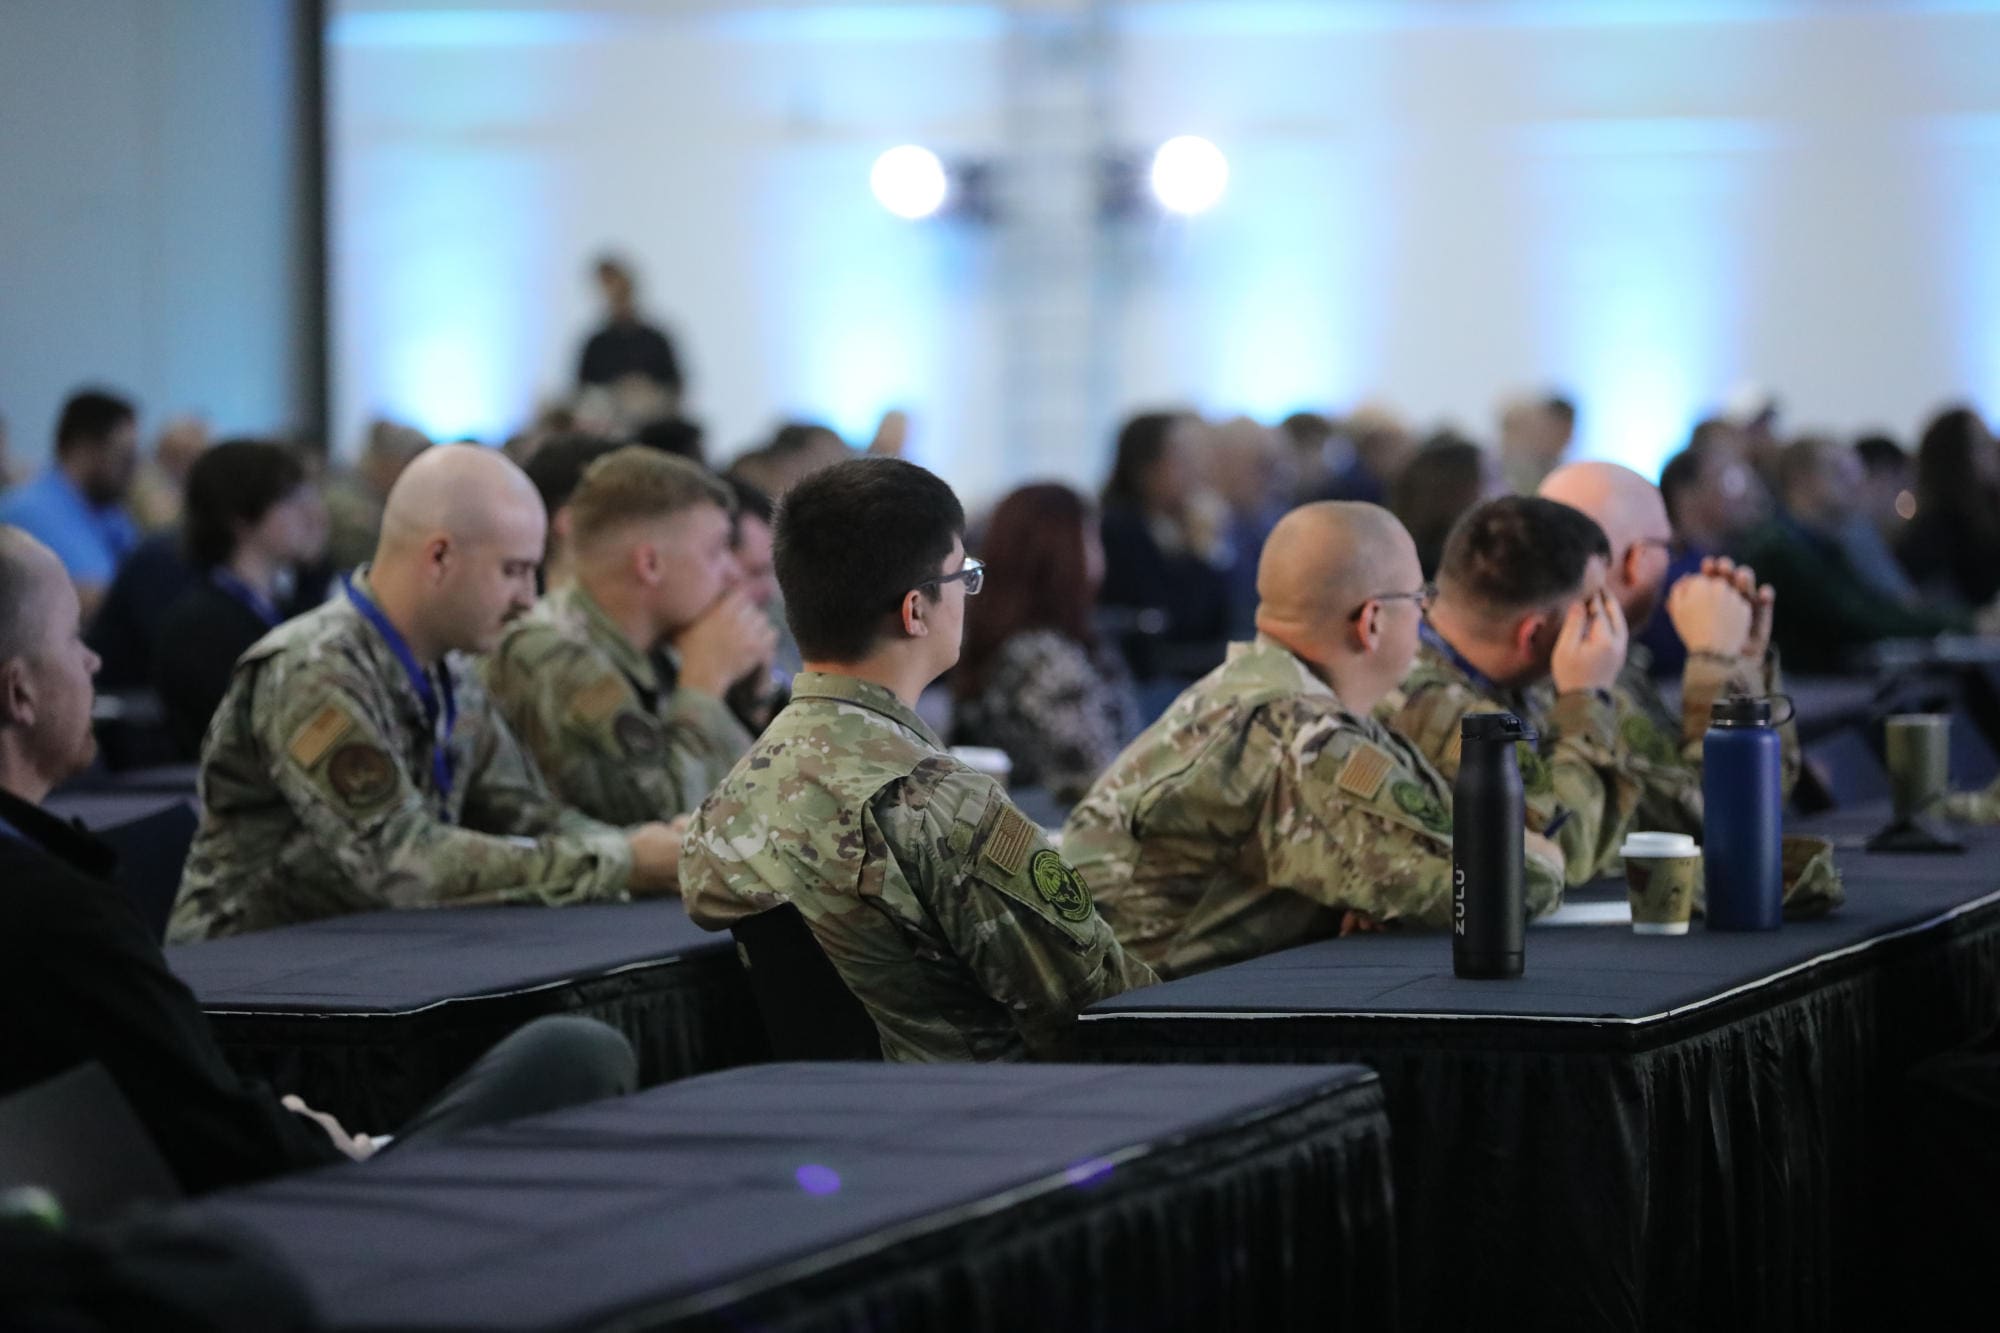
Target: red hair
{"points": [[1035, 548]]}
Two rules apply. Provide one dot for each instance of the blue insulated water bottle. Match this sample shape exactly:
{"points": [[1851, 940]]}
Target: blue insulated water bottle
{"points": [[1743, 833]]}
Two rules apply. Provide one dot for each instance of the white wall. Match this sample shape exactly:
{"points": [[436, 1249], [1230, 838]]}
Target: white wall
{"points": [[1433, 202], [149, 232]]}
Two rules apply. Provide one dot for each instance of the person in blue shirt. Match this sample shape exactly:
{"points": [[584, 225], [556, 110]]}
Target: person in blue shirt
{"points": [[76, 507]]}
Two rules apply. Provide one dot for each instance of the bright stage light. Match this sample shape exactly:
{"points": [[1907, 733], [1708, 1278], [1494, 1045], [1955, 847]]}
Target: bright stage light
{"points": [[909, 182], [1189, 175]]}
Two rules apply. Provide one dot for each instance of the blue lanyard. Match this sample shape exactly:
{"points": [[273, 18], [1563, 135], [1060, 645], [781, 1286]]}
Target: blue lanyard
{"points": [[441, 718], [237, 590], [1480, 680]]}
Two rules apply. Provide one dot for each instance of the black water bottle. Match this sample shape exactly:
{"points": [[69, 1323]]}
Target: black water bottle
{"points": [[1489, 902]]}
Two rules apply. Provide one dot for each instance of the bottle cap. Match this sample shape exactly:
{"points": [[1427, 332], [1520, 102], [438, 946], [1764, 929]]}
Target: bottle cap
{"points": [[1493, 727], [1740, 710]]}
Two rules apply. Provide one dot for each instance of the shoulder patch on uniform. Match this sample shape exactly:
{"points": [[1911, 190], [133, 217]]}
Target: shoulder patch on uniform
{"points": [[311, 742], [636, 735], [361, 774], [599, 699], [1367, 767], [1007, 846], [1060, 886], [1418, 803]]}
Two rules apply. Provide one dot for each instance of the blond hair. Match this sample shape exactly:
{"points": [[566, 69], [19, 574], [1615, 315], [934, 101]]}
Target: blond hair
{"points": [[638, 483]]}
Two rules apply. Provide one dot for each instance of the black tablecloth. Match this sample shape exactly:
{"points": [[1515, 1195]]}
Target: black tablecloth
{"points": [[1642, 1132], [370, 1016], [876, 1197]]}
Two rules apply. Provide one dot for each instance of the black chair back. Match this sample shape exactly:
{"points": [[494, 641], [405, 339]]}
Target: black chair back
{"points": [[808, 1011], [78, 1138], [151, 852]]}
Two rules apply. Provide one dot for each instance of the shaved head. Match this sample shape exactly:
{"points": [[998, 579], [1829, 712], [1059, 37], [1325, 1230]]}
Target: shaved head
{"points": [[462, 535], [29, 575], [460, 491], [1325, 559], [1334, 586], [1627, 506], [1633, 514]]}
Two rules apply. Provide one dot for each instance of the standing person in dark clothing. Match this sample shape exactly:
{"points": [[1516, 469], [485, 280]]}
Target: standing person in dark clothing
{"points": [[252, 517], [1952, 547], [626, 345], [82, 980]]}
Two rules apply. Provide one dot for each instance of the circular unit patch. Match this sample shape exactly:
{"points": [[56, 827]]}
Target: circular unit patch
{"points": [[1060, 886], [361, 774], [636, 735]]}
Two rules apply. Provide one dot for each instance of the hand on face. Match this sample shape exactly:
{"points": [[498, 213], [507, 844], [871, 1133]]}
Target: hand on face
{"points": [[1590, 650], [725, 643], [1715, 611]]}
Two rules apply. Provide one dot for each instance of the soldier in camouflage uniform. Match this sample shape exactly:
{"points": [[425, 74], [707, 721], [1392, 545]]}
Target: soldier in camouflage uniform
{"points": [[615, 682], [1521, 600], [1720, 613], [354, 765], [1267, 808], [964, 934]]}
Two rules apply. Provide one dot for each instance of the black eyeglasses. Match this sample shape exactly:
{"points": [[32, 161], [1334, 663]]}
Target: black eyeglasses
{"points": [[974, 575], [1423, 597]]}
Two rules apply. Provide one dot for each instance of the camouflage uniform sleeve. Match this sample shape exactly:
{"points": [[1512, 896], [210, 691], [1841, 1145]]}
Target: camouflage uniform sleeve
{"points": [[1581, 766], [1018, 915], [1429, 717], [340, 775], [704, 739], [1356, 825], [715, 887], [1648, 740], [1365, 825]]}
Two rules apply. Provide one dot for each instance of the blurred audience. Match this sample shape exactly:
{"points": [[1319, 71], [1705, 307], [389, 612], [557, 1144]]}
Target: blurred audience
{"points": [[1448, 476], [1952, 546], [1714, 499], [161, 481], [1034, 678], [625, 346], [675, 435], [1318, 451], [354, 497], [76, 507], [1869, 532], [253, 517], [1251, 470], [1378, 446], [1829, 607], [7, 477], [1535, 436], [1165, 554]]}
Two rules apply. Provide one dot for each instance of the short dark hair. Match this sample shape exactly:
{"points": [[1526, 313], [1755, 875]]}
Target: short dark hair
{"points": [[676, 435], [1560, 407], [850, 541], [1520, 553], [89, 417], [1440, 483], [235, 482], [1879, 453], [556, 469]]}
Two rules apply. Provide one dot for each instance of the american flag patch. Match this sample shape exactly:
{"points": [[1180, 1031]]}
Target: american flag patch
{"points": [[1007, 846], [1366, 769]]}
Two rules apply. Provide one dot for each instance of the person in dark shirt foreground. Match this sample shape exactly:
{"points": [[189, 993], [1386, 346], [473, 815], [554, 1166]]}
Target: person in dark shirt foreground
{"points": [[82, 980]]}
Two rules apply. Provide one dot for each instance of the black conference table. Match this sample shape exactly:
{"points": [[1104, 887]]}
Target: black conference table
{"points": [[1642, 1132], [871, 1196], [370, 1016]]}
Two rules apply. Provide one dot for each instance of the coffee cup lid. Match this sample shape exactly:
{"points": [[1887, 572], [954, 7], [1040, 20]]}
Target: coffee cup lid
{"points": [[1658, 844]]}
